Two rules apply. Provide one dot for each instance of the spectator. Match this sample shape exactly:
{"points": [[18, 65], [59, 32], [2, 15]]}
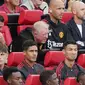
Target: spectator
{"points": [[58, 31], [29, 65], [49, 77], [69, 68], [2, 40], [77, 25], [81, 78], [3, 57], [11, 6], [35, 5], [13, 76]]}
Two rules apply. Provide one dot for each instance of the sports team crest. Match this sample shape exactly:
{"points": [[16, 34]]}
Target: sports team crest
{"points": [[61, 34]]}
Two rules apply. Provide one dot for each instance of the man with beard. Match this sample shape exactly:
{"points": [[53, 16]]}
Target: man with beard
{"points": [[77, 24], [68, 68]]}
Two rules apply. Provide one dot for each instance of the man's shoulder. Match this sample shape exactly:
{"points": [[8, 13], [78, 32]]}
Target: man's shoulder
{"points": [[60, 67]]}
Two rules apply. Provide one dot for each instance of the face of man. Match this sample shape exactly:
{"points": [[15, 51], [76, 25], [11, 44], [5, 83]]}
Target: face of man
{"points": [[56, 9], [70, 52], [14, 2], [16, 79], [80, 12], [3, 58], [82, 80], [1, 25], [54, 80], [41, 36], [31, 53]]}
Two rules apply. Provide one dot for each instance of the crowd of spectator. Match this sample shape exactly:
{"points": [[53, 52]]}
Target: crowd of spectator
{"points": [[48, 33]]}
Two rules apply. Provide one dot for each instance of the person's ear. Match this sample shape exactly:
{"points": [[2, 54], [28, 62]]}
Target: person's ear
{"points": [[9, 81], [80, 82], [50, 10], [48, 82]]}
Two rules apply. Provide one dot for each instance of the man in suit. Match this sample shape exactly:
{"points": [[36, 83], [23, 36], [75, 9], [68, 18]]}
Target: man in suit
{"points": [[77, 25]]}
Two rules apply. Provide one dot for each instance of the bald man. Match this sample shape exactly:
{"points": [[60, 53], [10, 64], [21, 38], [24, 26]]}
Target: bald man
{"points": [[77, 24], [58, 31]]}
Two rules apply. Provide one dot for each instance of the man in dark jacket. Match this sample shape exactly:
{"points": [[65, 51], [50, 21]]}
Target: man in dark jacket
{"points": [[58, 31], [77, 24]]}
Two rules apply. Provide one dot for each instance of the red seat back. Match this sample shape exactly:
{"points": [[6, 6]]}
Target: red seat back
{"points": [[15, 58], [22, 27], [33, 80], [2, 81], [66, 17], [53, 58], [81, 60], [29, 17], [70, 81], [7, 35], [2, 13]]}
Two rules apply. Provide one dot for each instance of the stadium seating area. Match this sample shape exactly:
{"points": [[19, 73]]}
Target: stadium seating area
{"points": [[52, 58]]}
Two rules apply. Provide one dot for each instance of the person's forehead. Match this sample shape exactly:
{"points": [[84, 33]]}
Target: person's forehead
{"points": [[71, 46], [57, 3], [34, 47], [16, 74]]}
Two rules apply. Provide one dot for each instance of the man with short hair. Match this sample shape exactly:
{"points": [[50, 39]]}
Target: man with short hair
{"points": [[13, 76], [77, 24], [81, 78], [49, 77], [3, 57], [29, 65], [2, 40], [11, 6], [59, 32], [69, 68]]}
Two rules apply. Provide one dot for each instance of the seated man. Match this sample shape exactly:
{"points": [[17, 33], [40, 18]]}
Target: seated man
{"points": [[49, 77], [29, 65], [35, 5], [59, 32], [13, 76], [11, 6], [77, 24], [2, 40], [69, 68], [3, 57], [81, 78]]}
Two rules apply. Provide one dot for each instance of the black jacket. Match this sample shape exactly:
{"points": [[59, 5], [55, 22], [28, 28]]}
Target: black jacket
{"points": [[58, 34], [74, 31]]}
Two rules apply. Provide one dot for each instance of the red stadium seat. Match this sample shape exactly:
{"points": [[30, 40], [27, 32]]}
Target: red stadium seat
{"points": [[22, 27], [2, 13], [2, 81], [53, 58], [29, 17], [7, 35], [15, 58], [66, 17], [70, 81], [81, 60], [33, 80]]}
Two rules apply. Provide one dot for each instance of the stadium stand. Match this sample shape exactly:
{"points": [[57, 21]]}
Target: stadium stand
{"points": [[81, 60], [53, 58], [15, 58], [70, 81], [33, 80], [66, 17]]}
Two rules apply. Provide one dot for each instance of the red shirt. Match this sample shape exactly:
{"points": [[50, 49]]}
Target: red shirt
{"points": [[5, 8]]}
